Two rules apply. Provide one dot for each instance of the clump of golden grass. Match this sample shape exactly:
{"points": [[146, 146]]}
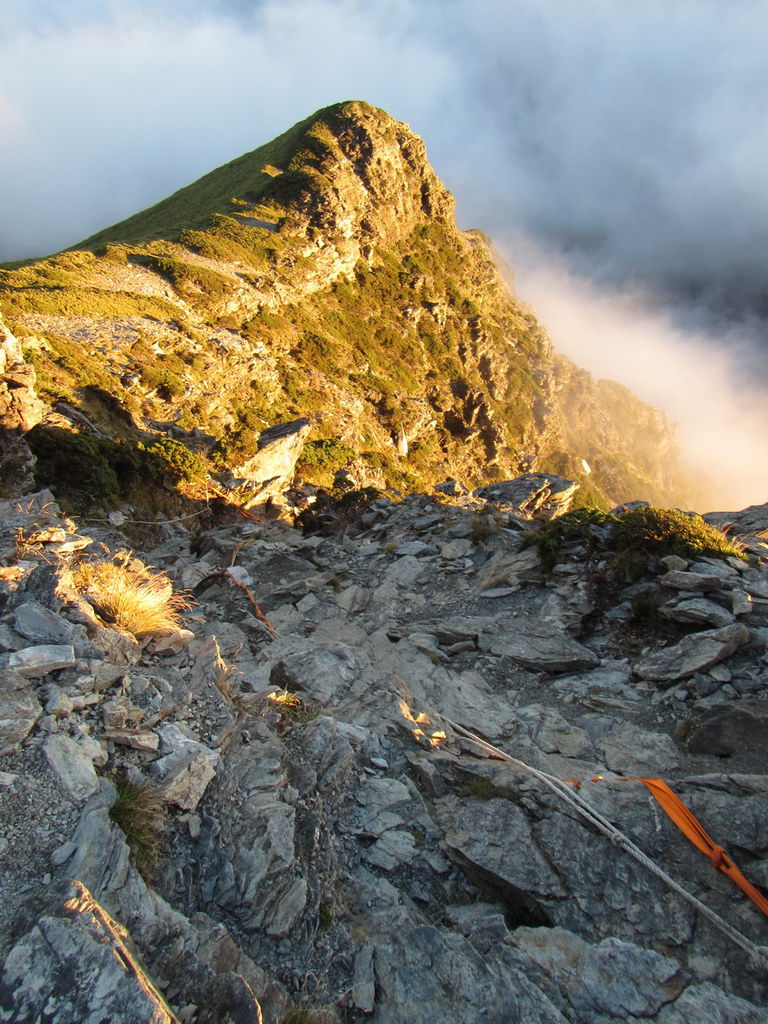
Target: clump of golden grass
{"points": [[125, 591]]}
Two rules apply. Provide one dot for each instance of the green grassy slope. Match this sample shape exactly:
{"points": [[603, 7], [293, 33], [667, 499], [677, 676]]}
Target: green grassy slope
{"points": [[245, 178]]}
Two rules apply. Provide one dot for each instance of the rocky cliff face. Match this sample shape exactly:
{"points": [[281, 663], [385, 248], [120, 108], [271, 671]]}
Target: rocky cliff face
{"points": [[323, 276], [346, 770]]}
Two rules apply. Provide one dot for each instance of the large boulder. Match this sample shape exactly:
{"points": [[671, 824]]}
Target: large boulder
{"points": [[534, 495], [269, 472]]}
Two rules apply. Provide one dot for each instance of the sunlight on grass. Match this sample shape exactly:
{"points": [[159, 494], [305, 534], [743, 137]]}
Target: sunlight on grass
{"points": [[129, 594]]}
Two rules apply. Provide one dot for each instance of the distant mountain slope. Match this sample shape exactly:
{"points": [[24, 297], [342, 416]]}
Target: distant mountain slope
{"points": [[322, 275]]}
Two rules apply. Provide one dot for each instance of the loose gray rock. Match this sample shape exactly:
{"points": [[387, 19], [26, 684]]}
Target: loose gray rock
{"points": [[694, 653], [727, 728], [537, 645], [36, 662], [19, 709], [699, 611], [364, 980], [38, 623], [72, 765]]}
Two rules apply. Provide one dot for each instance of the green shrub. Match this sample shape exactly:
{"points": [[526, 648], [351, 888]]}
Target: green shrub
{"points": [[667, 531], [324, 456], [177, 460], [167, 384], [635, 536], [86, 471], [550, 537]]}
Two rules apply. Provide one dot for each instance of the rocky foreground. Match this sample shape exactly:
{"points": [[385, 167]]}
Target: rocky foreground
{"points": [[341, 836]]}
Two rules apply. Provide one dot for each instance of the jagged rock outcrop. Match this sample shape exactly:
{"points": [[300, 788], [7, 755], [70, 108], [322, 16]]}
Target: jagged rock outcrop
{"points": [[337, 831], [74, 965], [20, 410], [268, 473]]}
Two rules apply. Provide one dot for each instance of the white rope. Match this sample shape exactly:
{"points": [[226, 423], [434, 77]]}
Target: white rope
{"points": [[571, 796], [148, 522]]}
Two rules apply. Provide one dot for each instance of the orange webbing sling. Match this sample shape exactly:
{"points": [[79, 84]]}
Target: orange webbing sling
{"points": [[689, 824]]}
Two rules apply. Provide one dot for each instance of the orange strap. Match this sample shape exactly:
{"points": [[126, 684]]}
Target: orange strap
{"points": [[691, 827]]}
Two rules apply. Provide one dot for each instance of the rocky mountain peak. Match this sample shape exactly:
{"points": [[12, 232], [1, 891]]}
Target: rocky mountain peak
{"points": [[368, 175]]}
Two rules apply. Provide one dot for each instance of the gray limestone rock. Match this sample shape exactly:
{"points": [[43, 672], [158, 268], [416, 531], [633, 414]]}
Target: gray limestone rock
{"points": [[36, 662], [616, 979], [707, 1002], [699, 611], [426, 974], [542, 495], [270, 470], [249, 863], [75, 965], [194, 954], [322, 672], [695, 653], [210, 685], [364, 980], [703, 582], [630, 750], [539, 646], [72, 765], [554, 734], [727, 728], [329, 752], [393, 848], [508, 568], [37, 623], [19, 709], [185, 777], [353, 599]]}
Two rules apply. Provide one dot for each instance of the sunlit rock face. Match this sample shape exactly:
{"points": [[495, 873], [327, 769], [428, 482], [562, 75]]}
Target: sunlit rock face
{"points": [[75, 964], [322, 276]]}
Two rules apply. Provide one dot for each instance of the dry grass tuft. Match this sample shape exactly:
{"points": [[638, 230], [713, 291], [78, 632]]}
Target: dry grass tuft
{"points": [[130, 594]]}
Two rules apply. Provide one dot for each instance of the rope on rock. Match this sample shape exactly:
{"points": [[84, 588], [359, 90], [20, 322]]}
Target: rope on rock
{"points": [[693, 830], [568, 795]]}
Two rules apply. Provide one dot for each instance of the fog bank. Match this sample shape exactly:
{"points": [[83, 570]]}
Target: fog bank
{"points": [[721, 418]]}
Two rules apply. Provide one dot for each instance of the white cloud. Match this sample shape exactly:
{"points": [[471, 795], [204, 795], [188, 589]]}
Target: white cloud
{"points": [[721, 417]]}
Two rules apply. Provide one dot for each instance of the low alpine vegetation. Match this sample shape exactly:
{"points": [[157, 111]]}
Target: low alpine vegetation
{"points": [[138, 811], [635, 535], [667, 531], [130, 594]]}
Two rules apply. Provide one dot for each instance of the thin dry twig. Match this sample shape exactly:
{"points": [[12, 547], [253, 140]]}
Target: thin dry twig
{"points": [[226, 574]]}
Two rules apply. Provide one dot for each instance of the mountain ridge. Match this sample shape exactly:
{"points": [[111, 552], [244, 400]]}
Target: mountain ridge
{"points": [[335, 287]]}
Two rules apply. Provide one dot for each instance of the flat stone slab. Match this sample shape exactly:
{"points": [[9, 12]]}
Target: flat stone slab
{"points": [[695, 653], [36, 662], [696, 581], [536, 645], [699, 611], [72, 765], [37, 623]]}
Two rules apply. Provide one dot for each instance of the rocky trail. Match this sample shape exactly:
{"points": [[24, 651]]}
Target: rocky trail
{"points": [[339, 834]]}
